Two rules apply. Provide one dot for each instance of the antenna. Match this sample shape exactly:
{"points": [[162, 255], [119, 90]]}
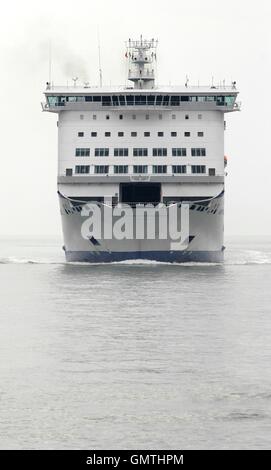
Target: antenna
{"points": [[50, 62], [74, 81], [99, 54]]}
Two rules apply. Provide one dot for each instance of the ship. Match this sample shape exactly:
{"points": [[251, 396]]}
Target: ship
{"points": [[141, 167]]}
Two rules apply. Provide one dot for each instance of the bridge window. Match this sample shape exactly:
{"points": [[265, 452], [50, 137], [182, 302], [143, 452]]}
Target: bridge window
{"points": [[115, 100], [106, 100], [175, 101], [130, 99]]}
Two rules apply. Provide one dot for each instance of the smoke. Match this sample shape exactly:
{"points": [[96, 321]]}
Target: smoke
{"points": [[65, 59], [68, 61], [36, 46]]}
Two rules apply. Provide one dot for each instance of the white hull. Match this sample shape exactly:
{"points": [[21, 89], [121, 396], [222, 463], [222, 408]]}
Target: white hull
{"points": [[204, 243]]}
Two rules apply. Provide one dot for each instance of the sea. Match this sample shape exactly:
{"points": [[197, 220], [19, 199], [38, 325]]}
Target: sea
{"points": [[135, 355]]}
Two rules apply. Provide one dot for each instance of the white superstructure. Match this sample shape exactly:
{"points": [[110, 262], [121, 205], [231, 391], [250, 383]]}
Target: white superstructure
{"points": [[142, 144]]}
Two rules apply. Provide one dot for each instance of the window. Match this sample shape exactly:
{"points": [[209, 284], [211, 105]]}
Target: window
{"points": [[175, 101], [198, 152], [178, 168], [94, 117], [160, 134], [159, 152], [107, 134], [80, 134], [140, 152], [107, 116], [147, 134], [82, 169], [120, 134], [121, 116], [133, 134], [199, 116], [200, 134], [101, 152], [179, 152], [173, 134], [98, 169], [140, 168], [81, 116], [211, 171], [82, 152], [93, 134], [106, 100], [147, 116], [187, 116], [187, 134], [68, 171], [159, 169], [120, 152], [198, 169], [120, 169], [173, 116]]}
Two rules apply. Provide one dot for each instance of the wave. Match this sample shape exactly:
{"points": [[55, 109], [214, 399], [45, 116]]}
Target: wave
{"points": [[232, 258]]}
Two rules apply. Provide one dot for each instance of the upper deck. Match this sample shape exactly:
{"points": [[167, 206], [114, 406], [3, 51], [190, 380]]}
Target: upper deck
{"points": [[221, 98]]}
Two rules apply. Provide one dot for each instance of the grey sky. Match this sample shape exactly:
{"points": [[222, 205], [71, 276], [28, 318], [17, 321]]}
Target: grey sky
{"points": [[228, 40]]}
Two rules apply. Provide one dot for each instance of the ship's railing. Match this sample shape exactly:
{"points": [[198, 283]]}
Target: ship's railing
{"points": [[138, 177], [162, 88]]}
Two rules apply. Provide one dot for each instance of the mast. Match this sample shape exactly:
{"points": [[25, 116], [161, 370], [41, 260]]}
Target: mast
{"points": [[142, 59]]}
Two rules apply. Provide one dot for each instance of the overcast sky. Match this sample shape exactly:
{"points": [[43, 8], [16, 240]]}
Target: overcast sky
{"points": [[200, 38]]}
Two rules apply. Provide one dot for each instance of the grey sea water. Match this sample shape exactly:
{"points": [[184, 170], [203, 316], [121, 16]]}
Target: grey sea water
{"points": [[134, 355]]}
